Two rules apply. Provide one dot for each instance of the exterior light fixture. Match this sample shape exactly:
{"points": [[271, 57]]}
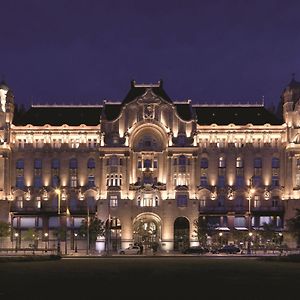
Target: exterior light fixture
{"points": [[267, 194]]}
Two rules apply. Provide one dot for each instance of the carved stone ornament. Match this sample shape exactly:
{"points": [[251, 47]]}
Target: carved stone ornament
{"points": [[148, 111]]}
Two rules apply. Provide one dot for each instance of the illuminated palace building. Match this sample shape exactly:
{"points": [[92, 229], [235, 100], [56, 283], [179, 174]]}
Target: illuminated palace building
{"points": [[150, 165]]}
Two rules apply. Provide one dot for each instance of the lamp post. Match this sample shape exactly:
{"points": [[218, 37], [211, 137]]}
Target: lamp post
{"points": [[108, 230], [220, 235], [75, 237], [66, 231], [46, 241], [58, 192], [251, 192], [16, 236]]}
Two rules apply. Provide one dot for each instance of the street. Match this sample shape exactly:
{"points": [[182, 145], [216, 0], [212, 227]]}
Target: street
{"points": [[82, 278]]}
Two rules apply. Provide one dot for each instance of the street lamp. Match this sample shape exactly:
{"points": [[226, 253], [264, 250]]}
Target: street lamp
{"points": [[58, 192], [220, 235], [251, 192], [75, 236], [249, 242], [46, 241], [16, 236]]}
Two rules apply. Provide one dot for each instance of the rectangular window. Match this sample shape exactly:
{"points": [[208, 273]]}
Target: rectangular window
{"points": [[73, 181], [265, 220], [139, 164], [221, 201], [113, 201], [148, 201], [239, 222], [182, 200], [239, 171], [20, 182], [203, 181], [221, 171], [20, 202], [55, 181], [91, 181], [222, 162], [37, 163], [275, 181], [202, 202], [256, 180], [257, 202], [258, 163], [239, 202], [275, 202], [240, 181], [38, 202], [221, 181], [38, 182], [204, 163]]}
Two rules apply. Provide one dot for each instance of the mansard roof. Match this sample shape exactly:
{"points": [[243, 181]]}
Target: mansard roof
{"points": [[185, 111], [57, 115], [137, 90], [235, 114], [111, 111]]}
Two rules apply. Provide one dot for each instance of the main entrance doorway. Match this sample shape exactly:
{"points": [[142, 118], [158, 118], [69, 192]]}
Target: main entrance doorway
{"points": [[147, 230]]}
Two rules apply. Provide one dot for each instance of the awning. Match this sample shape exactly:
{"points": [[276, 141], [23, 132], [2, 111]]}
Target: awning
{"points": [[223, 228], [241, 228]]}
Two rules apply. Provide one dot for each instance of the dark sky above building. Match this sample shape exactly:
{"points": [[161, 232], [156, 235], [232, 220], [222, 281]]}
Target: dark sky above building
{"points": [[84, 51]]}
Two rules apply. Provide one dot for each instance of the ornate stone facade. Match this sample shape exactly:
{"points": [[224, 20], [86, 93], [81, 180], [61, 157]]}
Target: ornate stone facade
{"points": [[150, 165]]}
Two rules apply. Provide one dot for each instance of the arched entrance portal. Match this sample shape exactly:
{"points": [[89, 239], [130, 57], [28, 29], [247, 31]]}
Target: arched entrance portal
{"points": [[181, 233], [147, 230]]}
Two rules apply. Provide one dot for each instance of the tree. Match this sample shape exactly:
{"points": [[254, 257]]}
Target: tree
{"points": [[293, 226], [203, 229], [96, 228], [239, 236], [4, 230]]}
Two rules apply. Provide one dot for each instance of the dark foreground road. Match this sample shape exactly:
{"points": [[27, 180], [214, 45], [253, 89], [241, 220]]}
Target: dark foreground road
{"points": [[156, 278]]}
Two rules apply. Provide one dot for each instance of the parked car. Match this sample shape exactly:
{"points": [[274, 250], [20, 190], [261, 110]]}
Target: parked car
{"points": [[195, 249], [130, 250], [229, 249]]}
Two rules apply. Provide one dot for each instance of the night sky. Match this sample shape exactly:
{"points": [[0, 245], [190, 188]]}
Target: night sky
{"points": [[74, 51]]}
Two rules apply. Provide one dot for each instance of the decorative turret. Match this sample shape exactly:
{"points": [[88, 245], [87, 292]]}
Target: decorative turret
{"points": [[6, 111], [290, 100]]}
